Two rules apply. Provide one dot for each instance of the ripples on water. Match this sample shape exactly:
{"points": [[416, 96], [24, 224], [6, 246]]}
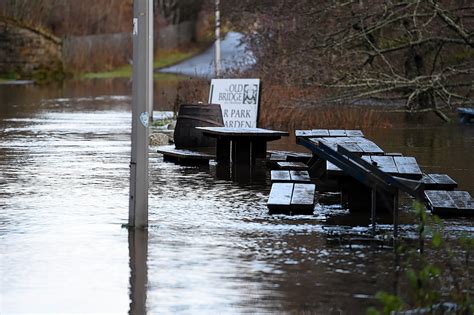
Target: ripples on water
{"points": [[212, 246]]}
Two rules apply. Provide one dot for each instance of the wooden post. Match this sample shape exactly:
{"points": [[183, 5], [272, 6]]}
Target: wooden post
{"points": [[218, 40], [142, 98]]}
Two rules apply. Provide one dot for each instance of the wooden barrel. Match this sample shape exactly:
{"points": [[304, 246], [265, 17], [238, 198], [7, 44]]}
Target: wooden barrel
{"points": [[196, 115]]}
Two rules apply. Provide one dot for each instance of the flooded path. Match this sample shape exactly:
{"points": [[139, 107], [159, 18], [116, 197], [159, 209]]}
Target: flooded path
{"points": [[211, 247], [234, 55]]}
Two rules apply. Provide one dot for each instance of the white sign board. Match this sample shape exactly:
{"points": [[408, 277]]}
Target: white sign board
{"points": [[239, 99]]}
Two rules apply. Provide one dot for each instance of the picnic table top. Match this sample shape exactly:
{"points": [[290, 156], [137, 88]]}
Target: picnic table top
{"points": [[319, 133], [242, 132], [403, 166], [353, 144]]}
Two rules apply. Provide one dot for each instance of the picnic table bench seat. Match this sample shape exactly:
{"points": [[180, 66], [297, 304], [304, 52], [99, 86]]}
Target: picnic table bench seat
{"points": [[292, 198]]}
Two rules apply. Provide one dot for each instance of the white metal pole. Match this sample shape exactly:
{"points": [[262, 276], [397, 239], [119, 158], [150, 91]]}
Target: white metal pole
{"points": [[218, 40], [142, 97]]}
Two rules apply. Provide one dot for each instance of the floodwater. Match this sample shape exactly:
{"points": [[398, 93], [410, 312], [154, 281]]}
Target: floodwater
{"points": [[211, 247]]}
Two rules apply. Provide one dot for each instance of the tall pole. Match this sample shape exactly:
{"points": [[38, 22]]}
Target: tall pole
{"points": [[218, 40], [142, 97]]}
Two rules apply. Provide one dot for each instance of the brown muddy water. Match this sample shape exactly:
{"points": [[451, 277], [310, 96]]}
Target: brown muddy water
{"points": [[211, 247]]}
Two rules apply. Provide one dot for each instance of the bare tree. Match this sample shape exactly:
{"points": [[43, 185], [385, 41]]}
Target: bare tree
{"points": [[419, 51], [177, 11]]}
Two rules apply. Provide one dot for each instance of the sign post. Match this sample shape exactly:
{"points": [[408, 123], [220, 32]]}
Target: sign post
{"points": [[142, 99]]}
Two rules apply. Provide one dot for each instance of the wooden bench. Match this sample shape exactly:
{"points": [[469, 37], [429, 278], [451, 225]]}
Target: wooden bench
{"points": [[442, 202], [375, 182], [292, 198], [284, 176], [193, 156], [438, 182]]}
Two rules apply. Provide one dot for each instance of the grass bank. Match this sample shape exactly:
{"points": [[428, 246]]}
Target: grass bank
{"points": [[161, 60]]}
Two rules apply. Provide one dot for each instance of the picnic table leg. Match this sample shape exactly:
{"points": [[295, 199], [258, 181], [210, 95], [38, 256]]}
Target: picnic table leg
{"points": [[259, 149], [223, 151], [317, 167], [373, 207], [395, 216], [241, 159]]}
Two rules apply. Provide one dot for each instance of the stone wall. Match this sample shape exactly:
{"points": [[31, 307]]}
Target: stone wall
{"points": [[28, 53]]}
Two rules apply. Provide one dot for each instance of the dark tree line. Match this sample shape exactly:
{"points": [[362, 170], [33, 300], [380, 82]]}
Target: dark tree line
{"points": [[418, 51], [73, 17]]}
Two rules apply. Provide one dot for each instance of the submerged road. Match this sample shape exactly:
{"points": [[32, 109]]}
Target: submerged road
{"points": [[234, 55]]}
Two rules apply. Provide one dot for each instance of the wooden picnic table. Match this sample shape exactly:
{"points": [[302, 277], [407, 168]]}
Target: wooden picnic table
{"points": [[401, 166], [242, 146], [319, 133]]}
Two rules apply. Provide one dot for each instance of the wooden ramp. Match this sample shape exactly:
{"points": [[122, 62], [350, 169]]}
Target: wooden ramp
{"points": [[453, 203], [292, 198], [192, 156]]}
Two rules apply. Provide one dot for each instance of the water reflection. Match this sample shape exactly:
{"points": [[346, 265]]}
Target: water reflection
{"points": [[212, 246], [138, 253]]}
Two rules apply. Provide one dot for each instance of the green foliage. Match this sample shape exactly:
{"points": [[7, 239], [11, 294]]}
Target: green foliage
{"points": [[8, 76], [162, 122], [391, 302], [431, 282]]}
